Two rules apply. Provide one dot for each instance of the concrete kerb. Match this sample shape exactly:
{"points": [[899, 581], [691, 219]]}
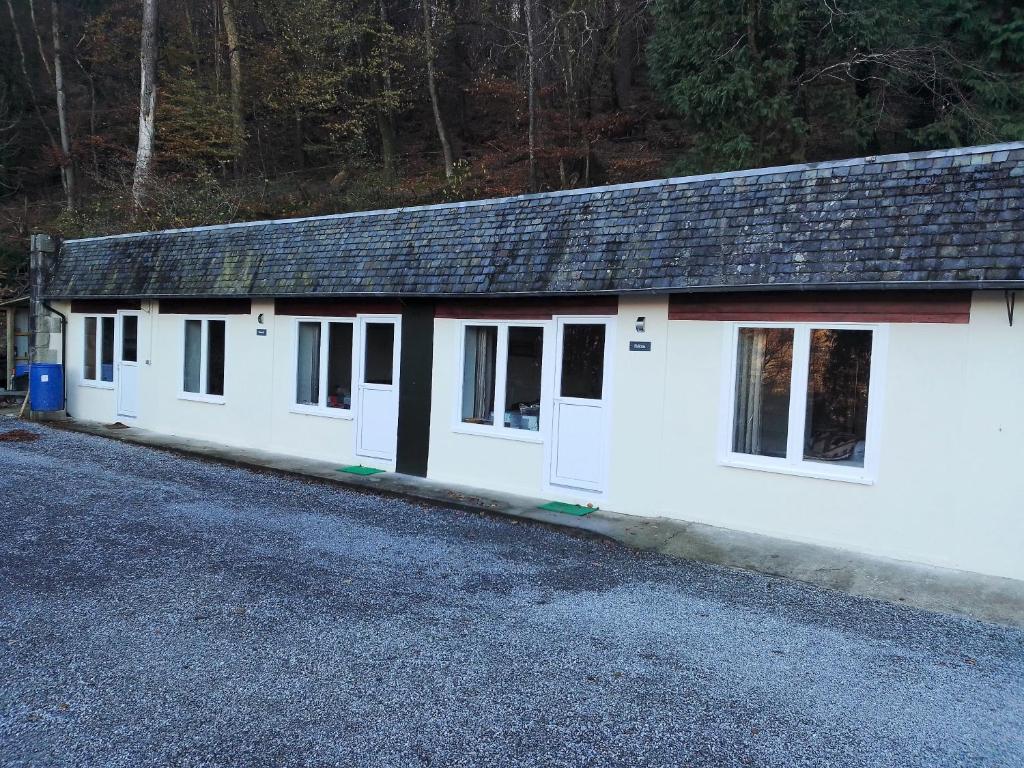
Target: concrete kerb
{"points": [[942, 590]]}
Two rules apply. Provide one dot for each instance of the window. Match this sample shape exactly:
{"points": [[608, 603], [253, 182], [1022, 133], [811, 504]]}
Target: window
{"points": [[308, 385], [379, 353], [764, 365], [501, 377], [582, 361], [522, 378], [98, 350], [130, 338], [838, 374], [323, 381], [802, 399], [479, 374], [203, 369]]}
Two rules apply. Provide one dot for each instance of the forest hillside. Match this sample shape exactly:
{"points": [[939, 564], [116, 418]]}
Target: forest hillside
{"points": [[254, 109]]}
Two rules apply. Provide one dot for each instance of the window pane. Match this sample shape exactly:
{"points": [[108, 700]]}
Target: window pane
{"points": [[307, 389], [107, 348], [478, 373], [89, 350], [130, 338], [764, 364], [837, 396], [522, 380], [379, 354], [215, 358], [193, 350], [339, 365], [583, 361]]}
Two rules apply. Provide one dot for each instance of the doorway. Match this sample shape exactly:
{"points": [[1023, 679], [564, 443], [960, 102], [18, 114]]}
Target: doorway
{"points": [[126, 377], [377, 387], [578, 456]]}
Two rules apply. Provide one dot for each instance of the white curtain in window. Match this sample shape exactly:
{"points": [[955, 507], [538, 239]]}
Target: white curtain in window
{"points": [[479, 373], [749, 390], [308, 382], [193, 354], [483, 380]]}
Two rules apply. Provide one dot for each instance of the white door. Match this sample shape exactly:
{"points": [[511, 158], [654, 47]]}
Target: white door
{"points": [[377, 396], [578, 457], [126, 356]]}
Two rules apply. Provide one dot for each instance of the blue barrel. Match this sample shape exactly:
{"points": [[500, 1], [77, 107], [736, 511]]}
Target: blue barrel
{"points": [[46, 386]]}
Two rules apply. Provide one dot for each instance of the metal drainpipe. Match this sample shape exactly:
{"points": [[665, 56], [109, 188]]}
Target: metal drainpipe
{"points": [[63, 349]]}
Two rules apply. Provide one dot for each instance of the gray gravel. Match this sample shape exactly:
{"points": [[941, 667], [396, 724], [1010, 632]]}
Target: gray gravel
{"points": [[160, 611]]}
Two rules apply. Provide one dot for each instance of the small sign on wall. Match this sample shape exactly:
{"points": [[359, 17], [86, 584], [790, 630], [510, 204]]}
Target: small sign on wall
{"points": [[639, 346], [261, 331]]}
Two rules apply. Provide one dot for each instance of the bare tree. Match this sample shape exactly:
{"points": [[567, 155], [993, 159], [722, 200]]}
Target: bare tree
{"points": [[147, 106], [8, 136], [67, 165], [28, 78], [442, 132], [384, 115], [531, 96], [39, 37], [235, 65]]}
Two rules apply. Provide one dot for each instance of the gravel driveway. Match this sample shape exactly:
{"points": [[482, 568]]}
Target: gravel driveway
{"points": [[161, 611]]}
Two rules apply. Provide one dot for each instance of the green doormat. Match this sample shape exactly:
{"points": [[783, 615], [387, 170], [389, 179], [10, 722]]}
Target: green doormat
{"points": [[360, 470], [567, 509]]}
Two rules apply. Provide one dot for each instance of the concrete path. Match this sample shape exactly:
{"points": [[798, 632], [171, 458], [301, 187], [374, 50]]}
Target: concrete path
{"points": [[156, 610]]}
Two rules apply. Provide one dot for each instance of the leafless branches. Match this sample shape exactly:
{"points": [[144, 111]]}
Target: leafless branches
{"points": [[934, 69]]}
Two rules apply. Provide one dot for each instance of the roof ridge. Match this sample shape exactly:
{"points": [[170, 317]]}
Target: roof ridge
{"points": [[673, 180]]}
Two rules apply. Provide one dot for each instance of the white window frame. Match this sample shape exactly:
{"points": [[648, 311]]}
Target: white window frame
{"points": [[321, 409], [204, 341], [98, 383], [794, 462], [500, 378]]}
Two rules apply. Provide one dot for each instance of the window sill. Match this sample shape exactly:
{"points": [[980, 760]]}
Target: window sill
{"points": [[856, 476], [502, 433], [197, 398], [96, 384], [345, 414]]}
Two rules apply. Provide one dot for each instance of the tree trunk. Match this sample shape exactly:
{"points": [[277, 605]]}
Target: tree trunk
{"points": [[235, 64], [67, 165], [386, 127], [216, 48], [147, 106], [300, 141], [28, 80], [531, 97], [39, 37], [193, 45], [92, 114], [625, 55], [442, 133], [385, 118]]}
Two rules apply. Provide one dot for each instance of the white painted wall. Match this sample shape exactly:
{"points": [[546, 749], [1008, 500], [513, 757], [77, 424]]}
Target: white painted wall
{"points": [[498, 463], [82, 401], [259, 383], [950, 484], [949, 488]]}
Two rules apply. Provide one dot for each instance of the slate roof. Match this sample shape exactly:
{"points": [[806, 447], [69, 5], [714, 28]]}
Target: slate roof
{"points": [[951, 219]]}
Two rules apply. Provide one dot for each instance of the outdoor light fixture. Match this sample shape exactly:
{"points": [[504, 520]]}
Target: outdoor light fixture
{"points": [[641, 323], [259, 318]]}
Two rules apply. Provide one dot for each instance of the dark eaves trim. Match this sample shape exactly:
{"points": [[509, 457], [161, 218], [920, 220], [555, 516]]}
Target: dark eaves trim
{"points": [[921, 285]]}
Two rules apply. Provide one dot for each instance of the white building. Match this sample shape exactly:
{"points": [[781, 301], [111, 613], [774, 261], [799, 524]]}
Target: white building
{"points": [[821, 353]]}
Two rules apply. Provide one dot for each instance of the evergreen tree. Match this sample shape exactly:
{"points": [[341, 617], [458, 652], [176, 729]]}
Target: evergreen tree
{"points": [[773, 81]]}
